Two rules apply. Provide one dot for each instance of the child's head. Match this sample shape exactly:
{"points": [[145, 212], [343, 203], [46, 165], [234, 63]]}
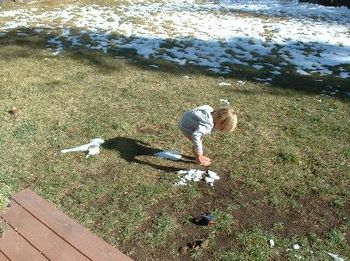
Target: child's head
{"points": [[224, 119]]}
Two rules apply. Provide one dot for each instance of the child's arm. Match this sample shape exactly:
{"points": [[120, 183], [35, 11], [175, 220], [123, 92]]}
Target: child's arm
{"points": [[198, 149]]}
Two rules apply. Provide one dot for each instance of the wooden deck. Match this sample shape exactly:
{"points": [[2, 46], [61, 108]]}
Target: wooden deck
{"points": [[36, 230]]}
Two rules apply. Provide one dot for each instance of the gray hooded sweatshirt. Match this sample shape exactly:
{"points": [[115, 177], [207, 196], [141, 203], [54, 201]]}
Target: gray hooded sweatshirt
{"points": [[195, 123]]}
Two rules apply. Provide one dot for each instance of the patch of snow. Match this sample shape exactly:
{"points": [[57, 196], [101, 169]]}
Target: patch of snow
{"points": [[344, 75], [171, 155], [302, 72], [224, 84], [257, 66], [263, 80], [91, 148], [335, 257], [224, 102], [312, 38], [296, 247]]}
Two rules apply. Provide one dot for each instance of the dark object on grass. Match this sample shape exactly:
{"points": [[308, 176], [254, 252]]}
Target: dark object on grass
{"points": [[203, 220], [194, 246], [13, 111]]}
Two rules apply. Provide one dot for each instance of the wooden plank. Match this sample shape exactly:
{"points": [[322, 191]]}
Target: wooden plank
{"points": [[40, 236], [17, 248], [3, 257], [89, 244], [4, 228]]}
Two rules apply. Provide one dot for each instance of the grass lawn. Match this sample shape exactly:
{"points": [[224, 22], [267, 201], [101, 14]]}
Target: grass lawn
{"points": [[284, 172]]}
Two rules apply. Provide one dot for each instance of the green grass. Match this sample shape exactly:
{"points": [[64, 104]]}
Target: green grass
{"points": [[284, 172]]}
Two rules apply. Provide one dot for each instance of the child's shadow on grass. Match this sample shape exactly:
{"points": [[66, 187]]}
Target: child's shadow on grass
{"points": [[130, 149]]}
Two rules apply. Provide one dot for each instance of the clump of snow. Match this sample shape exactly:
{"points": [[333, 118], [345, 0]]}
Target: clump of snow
{"points": [[241, 82], [296, 247], [186, 176], [92, 148], [224, 102], [335, 257], [224, 84], [171, 155], [262, 80]]}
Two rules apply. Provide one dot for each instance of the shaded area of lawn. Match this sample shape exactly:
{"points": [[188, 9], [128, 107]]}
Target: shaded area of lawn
{"points": [[130, 149]]}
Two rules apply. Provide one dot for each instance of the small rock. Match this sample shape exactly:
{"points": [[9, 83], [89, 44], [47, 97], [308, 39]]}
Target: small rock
{"points": [[13, 111], [196, 247], [204, 220], [183, 250], [205, 243]]}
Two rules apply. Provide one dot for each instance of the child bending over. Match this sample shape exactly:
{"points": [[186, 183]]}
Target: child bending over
{"points": [[203, 120]]}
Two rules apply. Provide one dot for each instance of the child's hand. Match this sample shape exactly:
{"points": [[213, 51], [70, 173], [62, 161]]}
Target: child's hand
{"points": [[203, 160]]}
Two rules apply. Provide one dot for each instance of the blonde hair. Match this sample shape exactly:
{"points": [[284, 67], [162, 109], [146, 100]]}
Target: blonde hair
{"points": [[226, 117]]}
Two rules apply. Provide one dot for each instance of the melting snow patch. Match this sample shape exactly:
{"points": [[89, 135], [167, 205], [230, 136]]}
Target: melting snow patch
{"points": [[91, 148], [296, 247], [58, 45], [258, 67], [21, 34], [241, 82], [302, 72], [154, 66], [310, 37], [196, 175], [262, 80], [344, 75], [171, 155], [335, 257], [224, 102], [224, 84]]}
